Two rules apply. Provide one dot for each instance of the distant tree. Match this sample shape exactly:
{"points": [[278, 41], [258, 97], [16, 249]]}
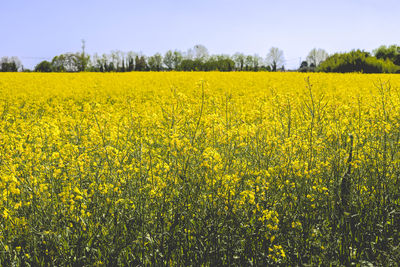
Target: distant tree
{"points": [[304, 67], [155, 62], [110, 67], [304, 64], [257, 62], [121, 61], [130, 57], [211, 64], [104, 63], [152, 63], [122, 66], [275, 58], [249, 62], [115, 61], [122, 69], [192, 65], [357, 61], [316, 56], [225, 63], [58, 63], [177, 59], [239, 59], [18, 63], [159, 61], [116, 57], [186, 65], [68, 62], [95, 63], [131, 65], [169, 59], [388, 52], [140, 63], [44, 66], [12, 64], [220, 63], [9, 67]]}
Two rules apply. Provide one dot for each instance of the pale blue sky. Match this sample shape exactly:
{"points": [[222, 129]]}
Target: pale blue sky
{"points": [[36, 30]]}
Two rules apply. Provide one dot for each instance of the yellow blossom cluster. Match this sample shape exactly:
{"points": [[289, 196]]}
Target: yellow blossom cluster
{"points": [[195, 168]]}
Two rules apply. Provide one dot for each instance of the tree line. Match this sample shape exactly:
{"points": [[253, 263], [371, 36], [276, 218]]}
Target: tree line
{"points": [[195, 59], [385, 59]]}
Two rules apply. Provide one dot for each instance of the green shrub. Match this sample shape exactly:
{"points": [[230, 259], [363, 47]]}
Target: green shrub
{"points": [[357, 61]]}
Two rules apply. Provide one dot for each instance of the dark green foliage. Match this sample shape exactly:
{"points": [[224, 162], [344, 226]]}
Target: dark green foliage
{"points": [[357, 61], [10, 64], [130, 64], [219, 63], [391, 53], [110, 67], [123, 66], [212, 64], [9, 67], [304, 67], [191, 65], [81, 61], [141, 64], [44, 66]]}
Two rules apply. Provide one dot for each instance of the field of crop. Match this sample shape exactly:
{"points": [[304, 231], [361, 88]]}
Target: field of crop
{"points": [[199, 168]]}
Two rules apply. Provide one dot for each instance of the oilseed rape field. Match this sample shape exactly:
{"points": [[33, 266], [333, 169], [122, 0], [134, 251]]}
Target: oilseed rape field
{"points": [[189, 169]]}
